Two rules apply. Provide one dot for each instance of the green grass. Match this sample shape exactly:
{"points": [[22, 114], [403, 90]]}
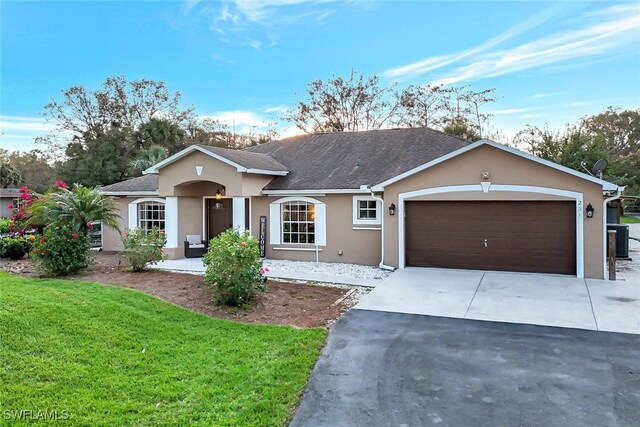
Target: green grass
{"points": [[78, 347], [629, 220]]}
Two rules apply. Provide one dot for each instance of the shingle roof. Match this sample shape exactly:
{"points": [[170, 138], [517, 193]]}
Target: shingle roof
{"points": [[9, 192], [347, 160], [247, 159], [142, 183]]}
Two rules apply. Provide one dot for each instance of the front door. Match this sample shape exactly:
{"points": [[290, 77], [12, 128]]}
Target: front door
{"points": [[219, 217]]}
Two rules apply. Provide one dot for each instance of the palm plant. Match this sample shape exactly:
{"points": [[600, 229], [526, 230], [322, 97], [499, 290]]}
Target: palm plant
{"points": [[149, 157], [78, 207]]}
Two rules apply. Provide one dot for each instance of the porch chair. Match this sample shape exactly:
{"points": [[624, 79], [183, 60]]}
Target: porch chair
{"points": [[194, 246]]}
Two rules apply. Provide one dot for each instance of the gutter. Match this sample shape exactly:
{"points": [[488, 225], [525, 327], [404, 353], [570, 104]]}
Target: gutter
{"points": [[381, 200], [618, 191]]}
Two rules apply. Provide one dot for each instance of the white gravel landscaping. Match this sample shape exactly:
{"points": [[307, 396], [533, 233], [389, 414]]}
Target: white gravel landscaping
{"points": [[327, 268]]}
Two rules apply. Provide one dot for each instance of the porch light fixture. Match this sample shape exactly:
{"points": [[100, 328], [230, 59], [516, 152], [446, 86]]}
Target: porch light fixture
{"points": [[392, 209], [218, 195], [590, 211]]}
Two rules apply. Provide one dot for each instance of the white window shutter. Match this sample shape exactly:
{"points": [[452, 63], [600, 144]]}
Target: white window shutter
{"points": [[132, 220], [275, 219], [321, 224]]}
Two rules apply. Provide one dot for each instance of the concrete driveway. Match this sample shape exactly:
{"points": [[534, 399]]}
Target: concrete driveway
{"points": [[391, 369], [536, 299]]}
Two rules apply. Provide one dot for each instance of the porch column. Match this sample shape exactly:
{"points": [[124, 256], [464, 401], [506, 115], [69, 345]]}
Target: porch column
{"points": [[171, 221], [238, 213]]}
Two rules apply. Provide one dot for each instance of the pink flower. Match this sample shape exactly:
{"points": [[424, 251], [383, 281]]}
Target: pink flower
{"points": [[62, 184], [266, 269], [89, 226], [10, 207], [26, 196], [75, 235], [261, 271], [23, 189], [126, 233]]}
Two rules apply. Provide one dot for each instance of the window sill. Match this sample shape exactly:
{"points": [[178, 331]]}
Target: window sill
{"points": [[364, 227], [306, 249]]}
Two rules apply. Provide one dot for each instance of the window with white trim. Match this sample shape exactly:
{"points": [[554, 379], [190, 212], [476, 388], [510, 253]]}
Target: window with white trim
{"points": [[150, 215], [366, 210], [298, 222]]}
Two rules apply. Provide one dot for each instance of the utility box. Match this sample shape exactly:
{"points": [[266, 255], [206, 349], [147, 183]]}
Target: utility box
{"points": [[622, 240]]}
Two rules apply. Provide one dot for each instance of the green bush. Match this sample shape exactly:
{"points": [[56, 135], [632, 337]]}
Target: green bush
{"points": [[13, 247], [4, 225], [234, 268], [142, 247], [61, 250]]}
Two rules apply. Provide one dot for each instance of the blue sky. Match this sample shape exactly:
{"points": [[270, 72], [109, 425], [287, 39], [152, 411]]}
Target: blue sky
{"points": [[245, 61]]}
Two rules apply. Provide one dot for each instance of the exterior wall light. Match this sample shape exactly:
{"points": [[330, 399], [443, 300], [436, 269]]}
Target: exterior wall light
{"points": [[590, 211], [218, 195], [392, 209]]}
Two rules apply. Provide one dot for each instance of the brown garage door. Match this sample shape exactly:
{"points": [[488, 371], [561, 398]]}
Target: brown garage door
{"points": [[529, 236]]}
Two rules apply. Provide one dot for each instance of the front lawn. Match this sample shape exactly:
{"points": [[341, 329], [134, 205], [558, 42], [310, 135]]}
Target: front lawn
{"points": [[112, 356], [629, 220]]}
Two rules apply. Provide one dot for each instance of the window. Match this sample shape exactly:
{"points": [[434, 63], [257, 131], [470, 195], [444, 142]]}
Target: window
{"points": [[366, 210], [150, 215], [298, 222]]}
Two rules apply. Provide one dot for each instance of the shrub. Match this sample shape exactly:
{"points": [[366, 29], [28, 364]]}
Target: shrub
{"points": [[61, 250], [4, 225], [142, 247], [234, 268], [14, 247]]}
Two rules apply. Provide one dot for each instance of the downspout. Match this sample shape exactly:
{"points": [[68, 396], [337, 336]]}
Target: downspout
{"points": [[381, 200], [604, 229]]}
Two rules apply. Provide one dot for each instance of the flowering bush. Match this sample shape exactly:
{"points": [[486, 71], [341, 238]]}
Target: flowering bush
{"points": [[19, 213], [234, 268], [61, 251], [14, 247], [142, 247]]}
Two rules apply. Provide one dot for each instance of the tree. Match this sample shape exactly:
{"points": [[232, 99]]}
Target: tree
{"points": [[77, 207], [161, 132], [463, 129], [620, 128], [35, 168], [85, 115], [424, 106], [337, 105], [9, 175], [149, 157]]}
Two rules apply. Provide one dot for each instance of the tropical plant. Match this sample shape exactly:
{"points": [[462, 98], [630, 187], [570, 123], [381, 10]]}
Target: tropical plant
{"points": [[4, 225], [142, 247], [9, 175], [149, 157], [61, 250], [77, 207], [234, 268], [19, 213]]}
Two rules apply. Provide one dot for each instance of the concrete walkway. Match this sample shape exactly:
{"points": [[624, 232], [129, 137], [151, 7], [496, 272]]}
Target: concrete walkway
{"points": [[536, 299], [195, 265]]}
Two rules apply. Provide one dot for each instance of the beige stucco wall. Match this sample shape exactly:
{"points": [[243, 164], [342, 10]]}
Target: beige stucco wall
{"points": [[357, 246], [504, 168], [110, 237]]}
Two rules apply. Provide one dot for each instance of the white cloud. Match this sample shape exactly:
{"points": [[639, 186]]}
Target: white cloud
{"points": [[510, 111], [436, 62], [615, 27], [601, 32], [258, 121], [24, 124]]}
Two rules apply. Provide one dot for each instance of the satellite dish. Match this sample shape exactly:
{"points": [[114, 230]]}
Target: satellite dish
{"points": [[599, 167]]}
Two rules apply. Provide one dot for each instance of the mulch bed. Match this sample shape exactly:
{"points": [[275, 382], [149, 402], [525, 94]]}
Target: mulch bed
{"points": [[284, 303]]}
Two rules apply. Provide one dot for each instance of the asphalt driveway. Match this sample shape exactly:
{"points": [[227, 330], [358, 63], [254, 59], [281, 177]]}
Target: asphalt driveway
{"points": [[392, 369], [536, 299]]}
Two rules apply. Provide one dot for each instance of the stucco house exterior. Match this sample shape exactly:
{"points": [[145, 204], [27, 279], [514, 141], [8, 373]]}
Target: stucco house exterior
{"points": [[394, 198], [8, 197]]}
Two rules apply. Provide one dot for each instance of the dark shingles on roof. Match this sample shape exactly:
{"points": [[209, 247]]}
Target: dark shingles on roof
{"points": [[347, 160], [247, 159], [142, 183]]}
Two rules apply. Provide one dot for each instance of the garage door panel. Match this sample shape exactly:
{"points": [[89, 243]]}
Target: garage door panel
{"points": [[529, 236]]}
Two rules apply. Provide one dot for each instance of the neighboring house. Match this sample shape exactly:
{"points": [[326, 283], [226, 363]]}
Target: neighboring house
{"points": [[394, 198], [8, 197]]}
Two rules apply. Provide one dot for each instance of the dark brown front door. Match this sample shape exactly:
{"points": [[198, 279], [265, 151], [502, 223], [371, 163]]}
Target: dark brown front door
{"points": [[219, 217], [529, 236]]}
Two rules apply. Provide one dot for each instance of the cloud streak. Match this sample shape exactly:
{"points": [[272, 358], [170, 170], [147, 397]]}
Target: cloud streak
{"points": [[602, 32]]}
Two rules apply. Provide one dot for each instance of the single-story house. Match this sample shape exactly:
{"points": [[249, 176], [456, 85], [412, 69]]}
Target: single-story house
{"points": [[8, 197], [394, 198]]}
